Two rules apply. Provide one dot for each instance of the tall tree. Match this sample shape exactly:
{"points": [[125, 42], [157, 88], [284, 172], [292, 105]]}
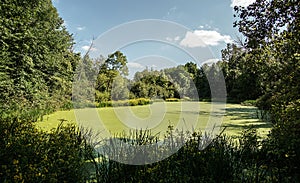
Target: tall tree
{"points": [[37, 63], [242, 79], [114, 66], [272, 31]]}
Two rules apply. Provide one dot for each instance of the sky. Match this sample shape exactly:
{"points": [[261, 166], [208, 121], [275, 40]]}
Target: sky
{"points": [[155, 34]]}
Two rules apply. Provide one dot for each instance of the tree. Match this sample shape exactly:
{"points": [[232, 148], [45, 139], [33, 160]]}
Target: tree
{"points": [[181, 80], [241, 76], [37, 62], [120, 88], [153, 84], [272, 36], [84, 84], [113, 66]]}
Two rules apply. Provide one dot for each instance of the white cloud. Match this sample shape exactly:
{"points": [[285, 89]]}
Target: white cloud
{"points": [[169, 39], [80, 28], [204, 38], [206, 26], [243, 3], [86, 48], [176, 39], [135, 65]]}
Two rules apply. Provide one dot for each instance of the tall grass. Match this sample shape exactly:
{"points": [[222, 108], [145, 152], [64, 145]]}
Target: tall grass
{"points": [[223, 160]]}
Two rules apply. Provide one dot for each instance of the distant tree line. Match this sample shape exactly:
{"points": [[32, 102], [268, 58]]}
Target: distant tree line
{"points": [[188, 81]]}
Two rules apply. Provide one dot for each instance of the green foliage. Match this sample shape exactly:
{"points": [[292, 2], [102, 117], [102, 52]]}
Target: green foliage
{"points": [[83, 93], [272, 40], [101, 97], [114, 67], [131, 102], [177, 82], [241, 76], [152, 84], [37, 63], [36, 74], [172, 100], [221, 161], [29, 155], [183, 81], [249, 102]]}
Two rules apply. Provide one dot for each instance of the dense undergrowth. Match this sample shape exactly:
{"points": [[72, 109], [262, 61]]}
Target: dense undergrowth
{"points": [[223, 160]]}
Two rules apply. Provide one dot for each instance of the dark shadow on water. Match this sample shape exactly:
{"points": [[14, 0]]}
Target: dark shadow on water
{"points": [[254, 125], [242, 113], [245, 117], [204, 113], [239, 117]]}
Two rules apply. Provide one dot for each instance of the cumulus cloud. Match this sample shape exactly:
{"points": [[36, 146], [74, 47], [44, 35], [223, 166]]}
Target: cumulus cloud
{"points": [[86, 48], [176, 39], [243, 3], [135, 65], [206, 26], [80, 28], [204, 38]]}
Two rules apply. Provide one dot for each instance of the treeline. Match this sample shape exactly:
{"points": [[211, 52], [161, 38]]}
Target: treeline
{"points": [[175, 82], [107, 77]]}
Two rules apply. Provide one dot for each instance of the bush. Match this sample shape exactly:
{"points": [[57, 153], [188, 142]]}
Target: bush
{"points": [[102, 96], [223, 160], [105, 104], [119, 103], [30, 155], [249, 103], [172, 100], [144, 101], [219, 162]]}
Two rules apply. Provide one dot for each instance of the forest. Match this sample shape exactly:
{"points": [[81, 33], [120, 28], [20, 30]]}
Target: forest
{"points": [[37, 71]]}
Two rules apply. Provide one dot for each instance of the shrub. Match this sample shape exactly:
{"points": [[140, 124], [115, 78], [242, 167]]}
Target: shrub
{"points": [[249, 103], [101, 96], [223, 160], [218, 162], [172, 100], [105, 104], [131, 102], [30, 155]]}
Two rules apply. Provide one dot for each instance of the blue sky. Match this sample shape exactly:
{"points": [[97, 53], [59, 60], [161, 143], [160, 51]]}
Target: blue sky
{"points": [[206, 26]]}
